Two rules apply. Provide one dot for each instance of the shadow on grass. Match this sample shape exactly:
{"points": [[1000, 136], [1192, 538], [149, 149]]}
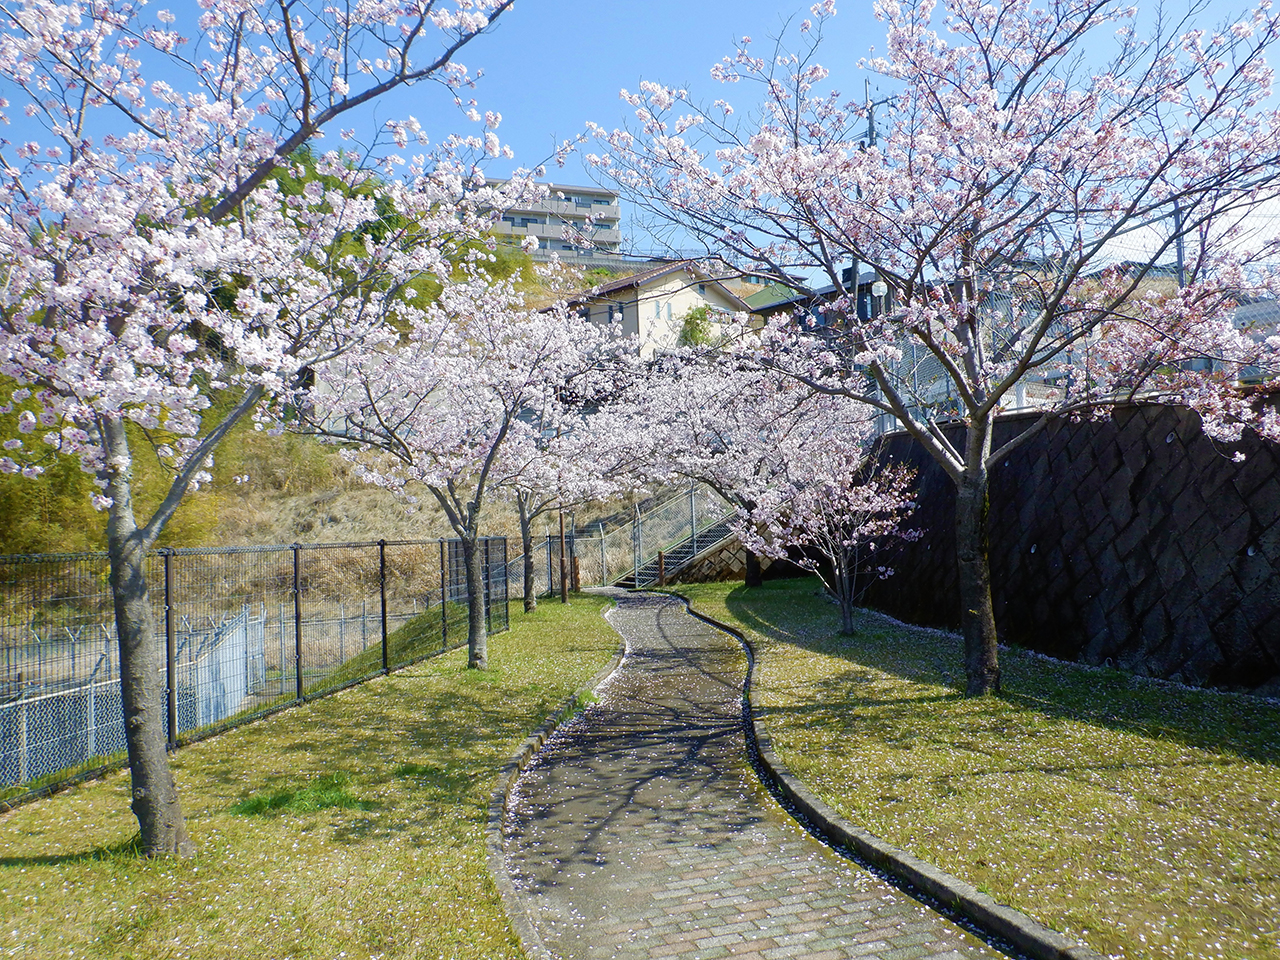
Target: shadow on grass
{"points": [[427, 751], [791, 611], [125, 850]]}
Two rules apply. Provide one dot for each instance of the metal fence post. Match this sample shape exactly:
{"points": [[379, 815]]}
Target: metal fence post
{"points": [[297, 620], [506, 587], [382, 586], [604, 565], [564, 564], [693, 521], [485, 583], [636, 535], [170, 653], [444, 599], [574, 580], [24, 759]]}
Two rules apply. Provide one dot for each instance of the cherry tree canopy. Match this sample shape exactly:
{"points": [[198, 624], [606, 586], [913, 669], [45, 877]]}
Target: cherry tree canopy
{"points": [[467, 406], [152, 257], [1024, 144], [792, 460]]}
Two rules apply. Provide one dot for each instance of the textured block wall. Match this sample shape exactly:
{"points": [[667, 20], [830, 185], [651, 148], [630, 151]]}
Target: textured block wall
{"points": [[728, 561], [1134, 541]]}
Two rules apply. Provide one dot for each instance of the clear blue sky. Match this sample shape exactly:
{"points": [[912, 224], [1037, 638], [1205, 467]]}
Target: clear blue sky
{"points": [[552, 65]]}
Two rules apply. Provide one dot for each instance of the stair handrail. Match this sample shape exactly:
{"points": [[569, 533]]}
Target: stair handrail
{"points": [[716, 510]]}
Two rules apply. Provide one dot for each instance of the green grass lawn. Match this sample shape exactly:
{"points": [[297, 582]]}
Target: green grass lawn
{"points": [[1141, 818], [352, 826]]}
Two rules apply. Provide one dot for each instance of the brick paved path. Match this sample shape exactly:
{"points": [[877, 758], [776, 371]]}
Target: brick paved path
{"points": [[641, 831]]}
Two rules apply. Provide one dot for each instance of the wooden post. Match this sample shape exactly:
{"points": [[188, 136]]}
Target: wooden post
{"points": [[662, 569]]}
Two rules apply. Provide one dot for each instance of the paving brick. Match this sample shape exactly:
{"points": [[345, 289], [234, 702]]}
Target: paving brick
{"points": [[636, 834]]}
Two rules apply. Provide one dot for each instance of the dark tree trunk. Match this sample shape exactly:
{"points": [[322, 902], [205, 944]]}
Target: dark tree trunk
{"points": [[477, 630], [154, 794], [845, 595], [754, 574], [977, 619], [526, 544]]}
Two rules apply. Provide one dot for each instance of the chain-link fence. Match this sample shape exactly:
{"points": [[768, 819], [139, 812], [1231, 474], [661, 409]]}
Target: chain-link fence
{"points": [[582, 566], [679, 527], [239, 631]]}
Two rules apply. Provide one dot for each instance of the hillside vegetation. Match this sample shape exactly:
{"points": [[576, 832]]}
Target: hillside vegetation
{"points": [[266, 489]]}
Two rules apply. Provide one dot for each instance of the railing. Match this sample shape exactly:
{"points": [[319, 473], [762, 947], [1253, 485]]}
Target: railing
{"points": [[688, 517], [239, 631]]}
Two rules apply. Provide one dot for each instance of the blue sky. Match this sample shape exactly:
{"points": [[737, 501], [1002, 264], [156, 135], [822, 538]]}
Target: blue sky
{"points": [[552, 65]]}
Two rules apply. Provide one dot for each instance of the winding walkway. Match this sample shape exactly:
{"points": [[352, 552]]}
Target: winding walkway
{"points": [[641, 831]]}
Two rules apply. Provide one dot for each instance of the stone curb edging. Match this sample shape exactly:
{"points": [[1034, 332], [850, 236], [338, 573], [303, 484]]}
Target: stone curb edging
{"points": [[1013, 926], [512, 905]]}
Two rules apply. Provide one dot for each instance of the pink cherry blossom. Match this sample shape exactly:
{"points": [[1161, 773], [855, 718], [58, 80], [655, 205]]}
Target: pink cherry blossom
{"points": [[996, 191]]}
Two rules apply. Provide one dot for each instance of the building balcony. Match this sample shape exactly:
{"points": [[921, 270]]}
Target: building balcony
{"points": [[567, 208], [553, 231]]}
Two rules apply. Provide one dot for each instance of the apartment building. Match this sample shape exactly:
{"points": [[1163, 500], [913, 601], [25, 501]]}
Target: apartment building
{"points": [[580, 224]]}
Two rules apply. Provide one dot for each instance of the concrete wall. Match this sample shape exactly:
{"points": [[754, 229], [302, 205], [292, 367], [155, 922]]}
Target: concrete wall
{"points": [[1134, 541]]}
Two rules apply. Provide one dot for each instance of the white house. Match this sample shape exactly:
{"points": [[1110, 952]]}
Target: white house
{"points": [[655, 303]]}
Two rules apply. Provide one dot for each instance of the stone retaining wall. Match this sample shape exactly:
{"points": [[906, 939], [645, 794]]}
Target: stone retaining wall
{"points": [[1134, 541], [727, 561]]}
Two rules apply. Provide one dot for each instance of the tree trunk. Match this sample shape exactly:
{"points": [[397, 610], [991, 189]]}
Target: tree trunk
{"points": [[844, 594], [754, 575], [477, 631], [154, 793], [526, 544], [977, 619]]}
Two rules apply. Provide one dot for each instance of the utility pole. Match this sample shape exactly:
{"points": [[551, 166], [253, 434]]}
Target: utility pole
{"points": [[1180, 243]]}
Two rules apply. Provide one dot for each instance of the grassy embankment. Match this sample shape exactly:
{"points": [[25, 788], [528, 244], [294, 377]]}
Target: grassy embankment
{"points": [[351, 826], [1141, 818]]}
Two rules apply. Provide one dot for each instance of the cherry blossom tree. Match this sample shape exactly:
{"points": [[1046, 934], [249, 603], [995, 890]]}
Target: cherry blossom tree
{"points": [[569, 460], [826, 501], [152, 260], [766, 443], [463, 406], [999, 195], [714, 416]]}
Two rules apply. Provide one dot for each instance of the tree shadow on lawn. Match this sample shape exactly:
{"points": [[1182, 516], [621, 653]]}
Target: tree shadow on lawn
{"points": [[428, 751], [791, 612], [125, 850]]}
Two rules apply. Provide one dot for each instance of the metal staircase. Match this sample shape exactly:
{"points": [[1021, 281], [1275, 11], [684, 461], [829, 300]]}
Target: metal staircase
{"points": [[668, 536], [678, 557], [625, 552]]}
